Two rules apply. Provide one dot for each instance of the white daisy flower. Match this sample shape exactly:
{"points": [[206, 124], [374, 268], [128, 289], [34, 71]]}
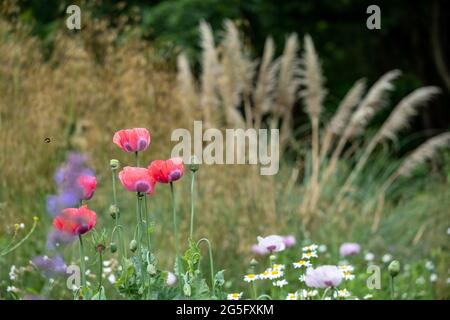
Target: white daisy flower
{"points": [[275, 274], [312, 293], [309, 255], [369, 256], [347, 275], [429, 265], [343, 293], [280, 283], [251, 277], [312, 247], [86, 258], [420, 281], [22, 226], [278, 266], [346, 268], [433, 277], [292, 296], [302, 278], [11, 289], [106, 263], [386, 258], [322, 248], [302, 263], [303, 294], [234, 296], [112, 278]]}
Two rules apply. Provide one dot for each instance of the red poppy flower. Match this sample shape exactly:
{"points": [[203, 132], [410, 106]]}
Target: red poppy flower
{"points": [[167, 171], [132, 140], [75, 221], [137, 180], [87, 185]]}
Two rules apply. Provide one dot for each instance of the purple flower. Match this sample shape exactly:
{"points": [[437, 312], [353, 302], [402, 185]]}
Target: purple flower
{"points": [[323, 277], [349, 249], [50, 266], [56, 238], [289, 241], [272, 243], [66, 179], [256, 249]]}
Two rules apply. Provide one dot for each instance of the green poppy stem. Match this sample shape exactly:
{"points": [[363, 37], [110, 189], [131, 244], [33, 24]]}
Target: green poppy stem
{"points": [[191, 229], [82, 263]]}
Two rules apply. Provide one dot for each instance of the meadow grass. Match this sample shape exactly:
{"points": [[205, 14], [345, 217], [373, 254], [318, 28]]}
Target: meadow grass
{"points": [[77, 102]]}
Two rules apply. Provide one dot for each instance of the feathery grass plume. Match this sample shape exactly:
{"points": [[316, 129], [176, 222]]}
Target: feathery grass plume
{"points": [[186, 90], [210, 73], [265, 83], [286, 89], [424, 152], [368, 107], [313, 95], [407, 108], [342, 115], [235, 81], [397, 120]]}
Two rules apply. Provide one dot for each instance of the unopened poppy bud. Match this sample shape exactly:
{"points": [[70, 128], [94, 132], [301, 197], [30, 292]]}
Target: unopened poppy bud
{"points": [[113, 247], [114, 163], [151, 270], [272, 257], [114, 211], [394, 268], [253, 262], [187, 289], [133, 245], [194, 164]]}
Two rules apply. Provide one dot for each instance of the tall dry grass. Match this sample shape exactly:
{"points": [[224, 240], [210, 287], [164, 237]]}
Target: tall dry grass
{"points": [[92, 84]]}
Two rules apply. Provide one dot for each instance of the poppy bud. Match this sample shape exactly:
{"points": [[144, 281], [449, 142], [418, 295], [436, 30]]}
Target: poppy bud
{"points": [[253, 262], [114, 211], [114, 163], [194, 164], [133, 245], [113, 247], [187, 289], [394, 268], [151, 270]]}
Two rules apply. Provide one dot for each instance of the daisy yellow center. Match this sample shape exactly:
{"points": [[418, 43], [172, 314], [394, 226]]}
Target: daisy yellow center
{"points": [[251, 276], [235, 295]]}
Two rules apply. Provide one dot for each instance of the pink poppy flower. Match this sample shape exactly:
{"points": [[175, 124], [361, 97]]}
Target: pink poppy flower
{"points": [[132, 140], [349, 249], [323, 277], [167, 171], [88, 185], [271, 243], [289, 241], [75, 221], [137, 180]]}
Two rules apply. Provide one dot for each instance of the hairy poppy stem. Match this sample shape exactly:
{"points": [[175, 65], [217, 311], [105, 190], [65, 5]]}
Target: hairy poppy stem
{"points": [[139, 234], [175, 231], [191, 229], [147, 224], [122, 251], [82, 265]]}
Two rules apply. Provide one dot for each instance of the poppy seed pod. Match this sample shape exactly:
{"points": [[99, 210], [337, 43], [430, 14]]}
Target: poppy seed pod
{"points": [[133, 245], [114, 163], [194, 164], [394, 268], [114, 211]]}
